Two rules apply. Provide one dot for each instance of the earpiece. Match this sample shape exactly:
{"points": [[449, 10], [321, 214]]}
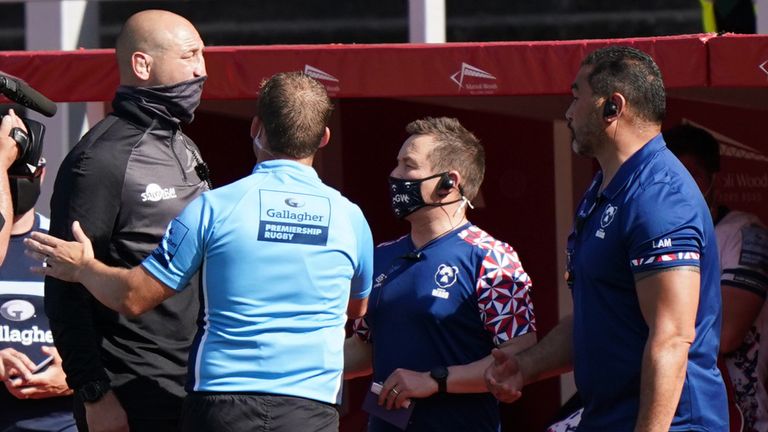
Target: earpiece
{"points": [[610, 109], [445, 185]]}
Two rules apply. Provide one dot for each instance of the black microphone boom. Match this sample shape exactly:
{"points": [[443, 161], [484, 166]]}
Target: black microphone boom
{"points": [[20, 92], [412, 256]]}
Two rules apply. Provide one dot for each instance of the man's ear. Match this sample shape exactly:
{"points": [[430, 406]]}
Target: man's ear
{"points": [[255, 125], [614, 106], [326, 137], [141, 65], [447, 185]]}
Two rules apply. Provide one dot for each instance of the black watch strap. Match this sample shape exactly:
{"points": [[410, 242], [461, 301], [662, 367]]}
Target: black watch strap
{"points": [[440, 375], [93, 391]]}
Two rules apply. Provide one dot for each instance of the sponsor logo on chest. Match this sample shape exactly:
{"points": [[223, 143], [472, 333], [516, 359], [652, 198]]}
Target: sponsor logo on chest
{"points": [[154, 192], [445, 277], [606, 219], [18, 311]]}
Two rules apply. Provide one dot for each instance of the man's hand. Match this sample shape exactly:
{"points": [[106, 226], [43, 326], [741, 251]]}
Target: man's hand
{"points": [[106, 415], [9, 150], [14, 364], [61, 259], [504, 377], [49, 383], [404, 384]]}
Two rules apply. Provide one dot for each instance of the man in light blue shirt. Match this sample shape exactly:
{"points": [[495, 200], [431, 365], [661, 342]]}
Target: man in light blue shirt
{"points": [[283, 258]]}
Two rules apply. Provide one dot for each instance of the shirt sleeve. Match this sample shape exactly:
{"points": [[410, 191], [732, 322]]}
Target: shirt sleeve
{"points": [[362, 330], [664, 228], [744, 259], [181, 251], [88, 190], [503, 294], [363, 275]]}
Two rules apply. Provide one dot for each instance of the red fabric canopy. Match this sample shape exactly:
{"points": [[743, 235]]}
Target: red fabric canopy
{"points": [[408, 70], [738, 61]]}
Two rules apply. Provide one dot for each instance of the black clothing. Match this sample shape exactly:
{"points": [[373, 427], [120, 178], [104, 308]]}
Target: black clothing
{"points": [[236, 412], [126, 179]]}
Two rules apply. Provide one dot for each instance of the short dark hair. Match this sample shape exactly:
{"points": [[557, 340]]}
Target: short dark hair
{"points": [[294, 110], [455, 148], [632, 73], [688, 140]]}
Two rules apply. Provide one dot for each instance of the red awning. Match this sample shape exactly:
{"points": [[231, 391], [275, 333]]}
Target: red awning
{"points": [[410, 70]]}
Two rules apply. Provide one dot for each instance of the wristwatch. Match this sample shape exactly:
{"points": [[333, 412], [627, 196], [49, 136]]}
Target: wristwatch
{"points": [[440, 374], [93, 391]]}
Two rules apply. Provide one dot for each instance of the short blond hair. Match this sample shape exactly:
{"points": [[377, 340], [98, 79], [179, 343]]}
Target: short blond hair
{"points": [[455, 148]]}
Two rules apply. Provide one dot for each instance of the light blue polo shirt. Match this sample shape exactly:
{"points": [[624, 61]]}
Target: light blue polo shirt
{"points": [[650, 216], [281, 254]]}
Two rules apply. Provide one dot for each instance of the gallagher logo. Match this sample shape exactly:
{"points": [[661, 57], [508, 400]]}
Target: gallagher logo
{"points": [[330, 82], [474, 80], [17, 310], [294, 202]]}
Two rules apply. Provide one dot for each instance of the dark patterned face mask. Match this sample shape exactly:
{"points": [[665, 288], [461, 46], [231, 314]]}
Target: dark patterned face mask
{"points": [[406, 195], [24, 193]]}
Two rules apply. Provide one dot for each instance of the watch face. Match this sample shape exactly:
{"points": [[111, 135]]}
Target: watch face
{"points": [[439, 372], [93, 391]]}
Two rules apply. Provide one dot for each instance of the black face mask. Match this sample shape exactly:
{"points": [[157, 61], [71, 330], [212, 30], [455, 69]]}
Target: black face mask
{"points": [[24, 193], [176, 101], [406, 195]]}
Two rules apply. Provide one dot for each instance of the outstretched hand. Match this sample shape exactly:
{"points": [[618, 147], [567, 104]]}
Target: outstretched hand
{"points": [[61, 259], [504, 377]]}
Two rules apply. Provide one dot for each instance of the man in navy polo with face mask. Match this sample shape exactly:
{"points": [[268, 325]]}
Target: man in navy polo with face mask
{"points": [[443, 296], [124, 182]]}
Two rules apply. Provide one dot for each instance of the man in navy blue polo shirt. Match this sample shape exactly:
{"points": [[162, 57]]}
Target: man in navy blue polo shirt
{"points": [[35, 397], [443, 296], [643, 269]]}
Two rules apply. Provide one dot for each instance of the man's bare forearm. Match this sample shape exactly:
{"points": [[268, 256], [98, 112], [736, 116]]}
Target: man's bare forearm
{"points": [[663, 374], [357, 358], [552, 356], [110, 285]]}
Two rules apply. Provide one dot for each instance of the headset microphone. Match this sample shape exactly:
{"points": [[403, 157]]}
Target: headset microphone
{"points": [[413, 256]]}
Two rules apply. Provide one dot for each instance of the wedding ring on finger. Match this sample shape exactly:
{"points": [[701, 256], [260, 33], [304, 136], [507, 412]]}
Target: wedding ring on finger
{"points": [[394, 390], [45, 261]]}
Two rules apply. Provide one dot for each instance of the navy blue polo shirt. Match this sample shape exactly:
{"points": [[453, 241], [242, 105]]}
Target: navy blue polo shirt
{"points": [[651, 216], [447, 303], [24, 327]]}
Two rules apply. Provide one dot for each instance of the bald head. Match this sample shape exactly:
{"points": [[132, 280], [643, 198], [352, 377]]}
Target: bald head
{"points": [[157, 47]]}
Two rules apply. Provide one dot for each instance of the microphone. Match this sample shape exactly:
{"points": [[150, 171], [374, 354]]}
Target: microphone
{"points": [[20, 92], [204, 173], [413, 256]]}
